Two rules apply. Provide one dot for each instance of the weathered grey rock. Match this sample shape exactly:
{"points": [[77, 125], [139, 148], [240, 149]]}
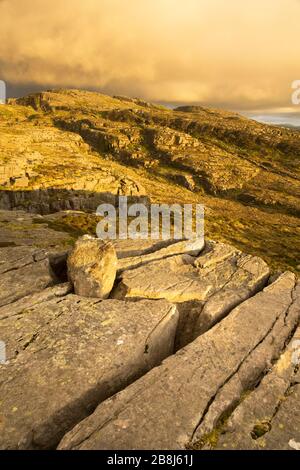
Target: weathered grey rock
{"points": [[189, 247], [92, 267], [250, 276], [173, 278], [176, 278], [77, 353], [51, 200], [248, 378], [212, 285], [257, 419], [215, 253], [23, 271], [136, 248], [59, 290], [285, 431], [164, 408], [22, 320]]}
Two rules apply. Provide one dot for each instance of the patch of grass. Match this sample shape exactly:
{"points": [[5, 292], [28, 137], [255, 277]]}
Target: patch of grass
{"points": [[75, 225], [209, 439], [260, 429]]}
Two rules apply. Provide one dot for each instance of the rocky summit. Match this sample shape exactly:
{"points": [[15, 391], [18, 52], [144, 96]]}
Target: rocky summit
{"points": [[147, 344], [188, 348]]}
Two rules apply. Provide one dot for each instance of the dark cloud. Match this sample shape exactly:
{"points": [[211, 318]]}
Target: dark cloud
{"points": [[227, 53]]}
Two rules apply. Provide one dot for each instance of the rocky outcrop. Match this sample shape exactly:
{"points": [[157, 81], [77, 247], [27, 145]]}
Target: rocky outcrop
{"points": [[52, 200], [173, 400], [180, 278], [199, 350], [206, 288], [92, 267]]}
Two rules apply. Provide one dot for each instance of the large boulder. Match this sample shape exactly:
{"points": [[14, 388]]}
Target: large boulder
{"points": [[92, 267]]}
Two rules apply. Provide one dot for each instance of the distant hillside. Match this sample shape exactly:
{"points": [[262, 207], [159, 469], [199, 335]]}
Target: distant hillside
{"points": [[291, 126], [247, 174]]}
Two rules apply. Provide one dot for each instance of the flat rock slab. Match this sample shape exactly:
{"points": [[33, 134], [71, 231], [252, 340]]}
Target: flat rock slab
{"points": [[250, 274], [189, 247], [23, 271], [165, 408], [173, 278], [135, 248], [269, 416], [247, 398], [21, 321], [176, 276], [184, 278], [77, 353], [285, 431], [206, 288]]}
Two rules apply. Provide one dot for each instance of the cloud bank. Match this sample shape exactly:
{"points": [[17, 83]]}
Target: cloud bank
{"points": [[226, 53]]}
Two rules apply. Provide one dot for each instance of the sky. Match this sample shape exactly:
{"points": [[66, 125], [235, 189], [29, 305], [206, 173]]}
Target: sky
{"points": [[232, 54]]}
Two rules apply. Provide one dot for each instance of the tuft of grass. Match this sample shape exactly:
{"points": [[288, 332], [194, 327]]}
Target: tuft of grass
{"points": [[260, 429]]}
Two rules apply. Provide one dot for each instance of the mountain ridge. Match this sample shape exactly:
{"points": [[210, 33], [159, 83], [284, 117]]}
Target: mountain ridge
{"points": [[244, 172]]}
